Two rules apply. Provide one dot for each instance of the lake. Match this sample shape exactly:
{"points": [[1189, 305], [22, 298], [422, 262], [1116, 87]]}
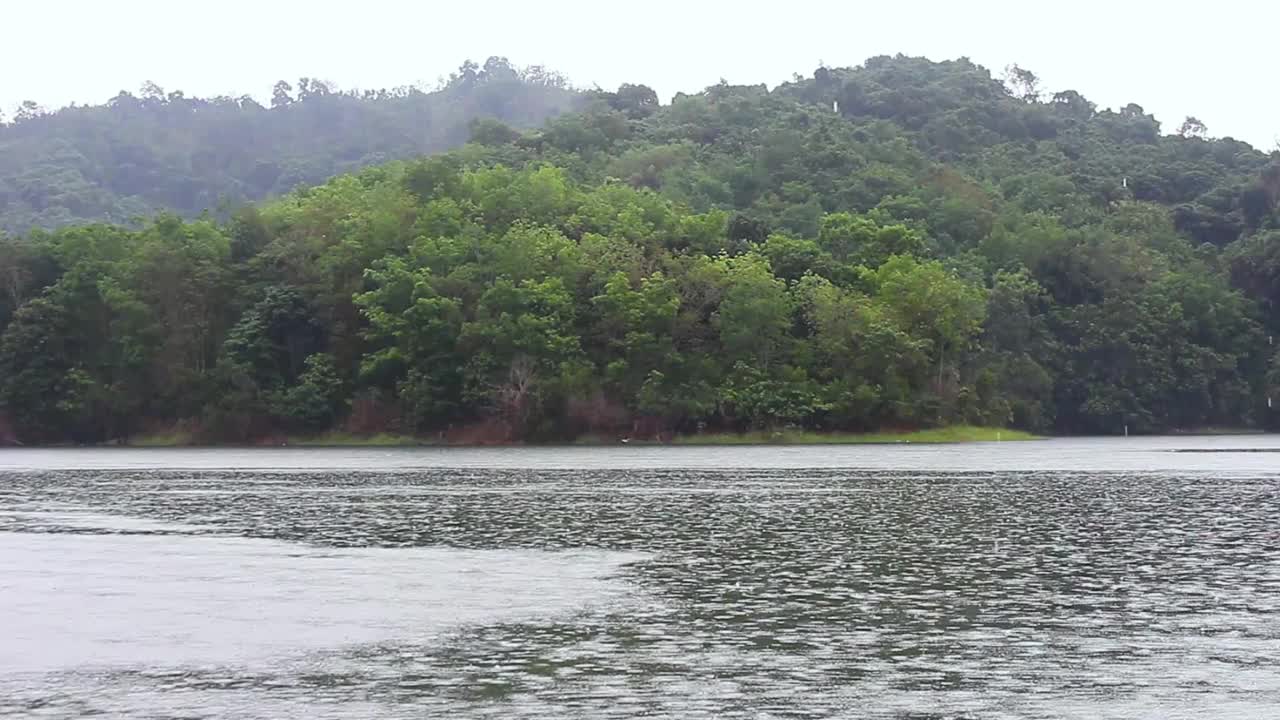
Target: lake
{"points": [[1072, 578]]}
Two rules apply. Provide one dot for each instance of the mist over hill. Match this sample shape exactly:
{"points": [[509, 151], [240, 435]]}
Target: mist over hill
{"points": [[139, 154]]}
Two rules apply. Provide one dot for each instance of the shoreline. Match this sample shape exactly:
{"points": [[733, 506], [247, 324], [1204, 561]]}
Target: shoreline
{"points": [[935, 436], [952, 435]]}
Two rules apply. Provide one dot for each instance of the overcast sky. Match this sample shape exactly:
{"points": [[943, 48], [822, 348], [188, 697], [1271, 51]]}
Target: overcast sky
{"points": [[1214, 60]]}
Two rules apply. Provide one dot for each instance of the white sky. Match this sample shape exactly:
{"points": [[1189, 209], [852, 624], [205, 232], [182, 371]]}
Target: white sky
{"points": [[1214, 60]]}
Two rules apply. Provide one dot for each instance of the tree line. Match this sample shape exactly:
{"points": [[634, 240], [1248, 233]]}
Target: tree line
{"points": [[903, 244]]}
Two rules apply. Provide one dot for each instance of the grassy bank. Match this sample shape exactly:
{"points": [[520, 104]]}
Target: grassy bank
{"points": [[1217, 431], [168, 438], [954, 434], [179, 438], [345, 439]]}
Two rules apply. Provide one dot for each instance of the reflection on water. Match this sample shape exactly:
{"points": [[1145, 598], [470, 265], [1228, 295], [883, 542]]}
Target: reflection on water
{"points": [[544, 593], [200, 601]]}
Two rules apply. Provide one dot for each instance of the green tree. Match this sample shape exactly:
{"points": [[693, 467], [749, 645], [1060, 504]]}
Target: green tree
{"points": [[413, 334], [317, 399], [638, 327], [522, 350], [753, 318], [933, 305], [860, 240]]}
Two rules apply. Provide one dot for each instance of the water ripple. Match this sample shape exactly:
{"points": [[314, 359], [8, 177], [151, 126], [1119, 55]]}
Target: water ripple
{"points": [[755, 593]]}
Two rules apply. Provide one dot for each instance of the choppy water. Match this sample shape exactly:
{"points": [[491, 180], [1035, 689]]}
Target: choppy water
{"points": [[1065, 579]]}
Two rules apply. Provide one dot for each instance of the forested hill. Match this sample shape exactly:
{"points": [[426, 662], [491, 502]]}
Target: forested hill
{"points": [[158, 150], [902, 244]]}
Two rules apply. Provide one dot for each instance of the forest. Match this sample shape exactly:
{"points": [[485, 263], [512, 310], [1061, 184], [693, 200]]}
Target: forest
{"points": [[899, 245]]}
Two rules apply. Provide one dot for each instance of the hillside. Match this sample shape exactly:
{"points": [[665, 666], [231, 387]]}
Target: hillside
{"points": [[137, 155], [904, 244]]}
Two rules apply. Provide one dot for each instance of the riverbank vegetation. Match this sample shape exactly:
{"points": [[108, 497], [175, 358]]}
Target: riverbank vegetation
{"points": [[943, 435], [334, 438], [905, 244]]}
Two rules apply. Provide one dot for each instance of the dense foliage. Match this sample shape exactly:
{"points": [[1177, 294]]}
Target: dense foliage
{"points": [[903, 244], [157, 150]]}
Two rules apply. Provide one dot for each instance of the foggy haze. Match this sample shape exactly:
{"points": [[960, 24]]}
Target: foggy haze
{"points": [[1175, 58]]}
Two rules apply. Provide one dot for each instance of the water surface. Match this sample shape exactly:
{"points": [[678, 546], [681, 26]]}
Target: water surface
{"points": [[1062, 579]]}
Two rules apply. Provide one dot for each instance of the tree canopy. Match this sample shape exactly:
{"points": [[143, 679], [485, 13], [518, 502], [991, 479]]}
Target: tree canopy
{"points": [[902, 244]]}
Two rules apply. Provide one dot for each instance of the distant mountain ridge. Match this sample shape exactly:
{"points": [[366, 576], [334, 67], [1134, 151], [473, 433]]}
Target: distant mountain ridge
{"points": [[139, 154]]}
